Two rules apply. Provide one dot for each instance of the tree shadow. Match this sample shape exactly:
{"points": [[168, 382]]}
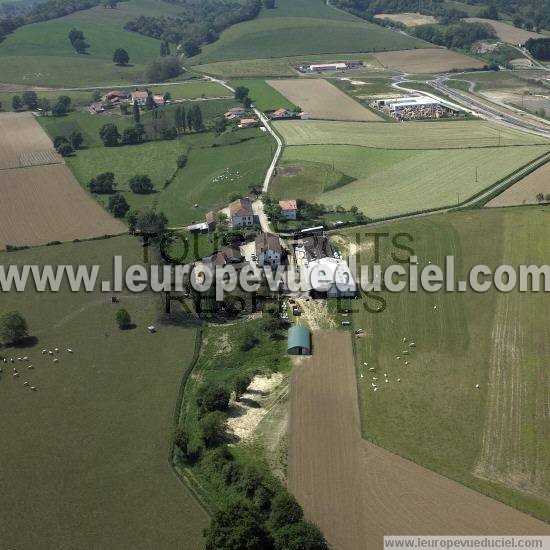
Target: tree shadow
{"points": [[28, 342]]}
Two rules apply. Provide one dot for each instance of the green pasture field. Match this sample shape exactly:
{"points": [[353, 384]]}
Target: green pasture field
{"points": [[300, 27], [263, 96], [41, 54], [373, 86], [471, 10], [91, 445], [395, 182], [494, 439], [280, 66], [407, 135], [211, 175], [90, 124], [497, 80]]}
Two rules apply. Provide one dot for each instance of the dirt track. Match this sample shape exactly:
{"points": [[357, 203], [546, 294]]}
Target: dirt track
{"points": [[357, 492], [23, 142], [320, 99], [46, 203]]}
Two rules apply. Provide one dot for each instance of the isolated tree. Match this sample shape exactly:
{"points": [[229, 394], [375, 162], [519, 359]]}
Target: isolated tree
{"points": [[16, 103], [285, 510], [241, 92], [212, 427], [241, 384], [141, 184], [44, 104], [123, 319], [76, 139], [75, 34], [151, 222], [65, 149], [180, 119], [191, 48], [299, 536], [30, 99], [65, 100], [59, 109], [136, 112], [166, 97], [132, 220], [96, 95], [182, 160], [118, 206], [238, 525], [59, 140], [220, 125], [13, 328], [103, 183], [121, 57], [211, 397], [133, 135], [164, 48], [109, 135], [540, 197], [150, 102], [80, 46]]}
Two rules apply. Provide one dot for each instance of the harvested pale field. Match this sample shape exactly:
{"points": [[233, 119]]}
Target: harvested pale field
{"points": [[407, 135], [320, 99], [526, 190], [409, 19], [432, 60], [507, 33], [45, 203], [357, 492], [23, 142]]}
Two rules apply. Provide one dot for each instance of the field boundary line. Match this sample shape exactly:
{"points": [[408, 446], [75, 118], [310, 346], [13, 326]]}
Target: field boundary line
{"points": [[183, 474]]}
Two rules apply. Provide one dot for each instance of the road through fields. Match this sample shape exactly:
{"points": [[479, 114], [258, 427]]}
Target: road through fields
{"points": [[357, 492]]}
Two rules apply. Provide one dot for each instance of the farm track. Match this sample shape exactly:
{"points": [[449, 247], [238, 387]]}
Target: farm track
{"points": [[357, 492]]}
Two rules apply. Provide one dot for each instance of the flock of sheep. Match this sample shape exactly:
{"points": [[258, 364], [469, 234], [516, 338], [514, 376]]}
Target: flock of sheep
{"points": [[24, 364], [372, 370]]}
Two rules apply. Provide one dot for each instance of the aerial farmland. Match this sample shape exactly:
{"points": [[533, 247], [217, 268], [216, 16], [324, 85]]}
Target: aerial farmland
{"points": [[273, 274]]}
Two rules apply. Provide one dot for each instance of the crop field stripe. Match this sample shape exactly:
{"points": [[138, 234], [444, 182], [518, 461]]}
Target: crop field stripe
{"points": [[357, 492]]}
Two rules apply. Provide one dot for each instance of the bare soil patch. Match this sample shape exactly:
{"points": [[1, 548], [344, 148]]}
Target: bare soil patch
{"points": [[507, 33], [526, 190], [23, 142], [409, 19], [45, 203], [289, 171], [320, 99], [429, 60], [357, 492]]}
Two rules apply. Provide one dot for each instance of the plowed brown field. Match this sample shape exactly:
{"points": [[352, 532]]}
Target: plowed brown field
{"points": [[320, 99], [23, 142], [46, 203], [357, 492]]}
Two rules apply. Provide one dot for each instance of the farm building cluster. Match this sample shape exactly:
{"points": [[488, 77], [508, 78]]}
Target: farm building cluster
{"points": [[329, 67], [417, 107], [114, 98], [321, 269]]}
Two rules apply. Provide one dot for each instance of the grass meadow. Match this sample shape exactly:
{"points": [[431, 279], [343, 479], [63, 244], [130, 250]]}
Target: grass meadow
{"points": [[91, 445], [41, 54], [217, 167], [391, 182], [409, 135], [301, 27], [495, 438], [263, 96], [277, 67]]}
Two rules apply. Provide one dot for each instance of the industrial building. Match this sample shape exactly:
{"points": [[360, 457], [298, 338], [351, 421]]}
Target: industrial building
{"points": [[417, 107]]}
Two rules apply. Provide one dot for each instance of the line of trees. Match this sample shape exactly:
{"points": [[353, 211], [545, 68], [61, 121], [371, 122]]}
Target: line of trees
{"points": [[104, 184], [30, 101]]}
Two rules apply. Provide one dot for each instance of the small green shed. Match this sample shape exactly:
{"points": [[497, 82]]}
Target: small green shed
{"points": [[299, 341]]}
